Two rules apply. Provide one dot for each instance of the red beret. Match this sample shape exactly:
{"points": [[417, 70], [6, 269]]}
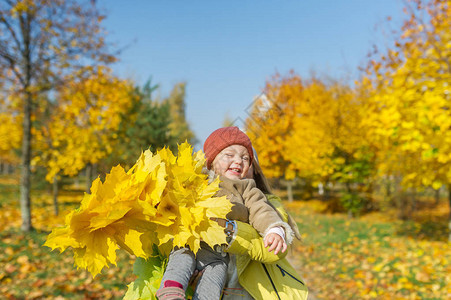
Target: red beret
{"points": [[222, 138]]}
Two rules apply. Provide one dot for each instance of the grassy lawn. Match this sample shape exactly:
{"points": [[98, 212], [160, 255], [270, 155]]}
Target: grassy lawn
{"points": [[373, 257], [367, 258], [30, 271]]}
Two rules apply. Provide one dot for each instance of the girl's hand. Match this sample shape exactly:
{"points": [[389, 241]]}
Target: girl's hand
{"points": [[275, 242]]}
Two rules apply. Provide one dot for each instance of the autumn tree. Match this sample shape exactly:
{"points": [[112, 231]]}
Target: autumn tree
{"points": [[277, 127], [81, 128], [179, 126], [310, 129], [10, 137], [349, 159], [144, 126], [10, 134], [42, 41], [270, 125], [407, 98]]}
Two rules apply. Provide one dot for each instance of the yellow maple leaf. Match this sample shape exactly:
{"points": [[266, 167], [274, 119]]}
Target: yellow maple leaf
{"points": [[98, 253], [60, 239], [163, 199]]}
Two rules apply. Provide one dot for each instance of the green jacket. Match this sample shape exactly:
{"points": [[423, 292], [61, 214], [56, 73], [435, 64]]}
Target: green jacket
{"points": [[261, 273]]}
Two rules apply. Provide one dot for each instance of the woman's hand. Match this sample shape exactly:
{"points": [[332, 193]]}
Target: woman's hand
{"points": [[276, 243]]}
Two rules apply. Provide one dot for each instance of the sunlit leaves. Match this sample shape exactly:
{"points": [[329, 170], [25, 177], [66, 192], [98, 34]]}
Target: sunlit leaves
{"points": [[80, 129], [394, 124], [162, 198], [299, 126], [44, 45], [407, 97], [180, 129], [10, 135]]}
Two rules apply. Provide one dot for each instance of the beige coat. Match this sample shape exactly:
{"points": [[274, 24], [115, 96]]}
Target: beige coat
{"points": [[252, 207]]}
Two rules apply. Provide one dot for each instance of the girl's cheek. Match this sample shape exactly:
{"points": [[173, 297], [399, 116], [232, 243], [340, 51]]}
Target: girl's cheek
{"points": [[219, 168]]}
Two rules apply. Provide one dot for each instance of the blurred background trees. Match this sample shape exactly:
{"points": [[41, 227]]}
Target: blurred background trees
{"points": [[390, 131], [62, 109], [382, 141], [43, 45]]}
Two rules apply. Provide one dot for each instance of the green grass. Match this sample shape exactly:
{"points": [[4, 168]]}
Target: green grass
{"points": [[340, 258], [327, 229], [343, 258], [29, 270], [30, 267]]}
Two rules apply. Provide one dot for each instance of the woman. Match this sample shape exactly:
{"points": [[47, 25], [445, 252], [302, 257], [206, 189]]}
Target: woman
{"points": [[229, 155], [254, 272]]}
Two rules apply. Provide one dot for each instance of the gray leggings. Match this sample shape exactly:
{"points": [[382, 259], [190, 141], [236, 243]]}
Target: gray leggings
{"points": [[182, 263]]}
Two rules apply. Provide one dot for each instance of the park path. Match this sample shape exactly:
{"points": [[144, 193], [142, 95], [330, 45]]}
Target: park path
{"points": [[296, 263]]}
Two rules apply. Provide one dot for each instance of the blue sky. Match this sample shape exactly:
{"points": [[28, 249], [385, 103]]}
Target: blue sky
{"points": [[226, 50]]}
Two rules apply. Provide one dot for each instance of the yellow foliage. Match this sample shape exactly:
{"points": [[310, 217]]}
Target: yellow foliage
{"points": [[297, 125], [161, 199], [81, 129], [10, 136], [407, 100]]}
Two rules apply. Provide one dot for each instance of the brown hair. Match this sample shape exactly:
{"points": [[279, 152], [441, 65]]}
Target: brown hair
{"points": [[259, 177]]}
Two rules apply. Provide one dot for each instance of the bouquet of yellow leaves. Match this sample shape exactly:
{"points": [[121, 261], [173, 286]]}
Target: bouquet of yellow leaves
{"points": [[163, 200]]}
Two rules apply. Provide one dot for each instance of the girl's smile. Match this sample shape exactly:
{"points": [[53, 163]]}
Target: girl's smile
{"points": [[232, 162]]}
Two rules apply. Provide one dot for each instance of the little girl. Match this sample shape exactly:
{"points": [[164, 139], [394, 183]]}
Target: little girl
{"points": [[229, 155]]}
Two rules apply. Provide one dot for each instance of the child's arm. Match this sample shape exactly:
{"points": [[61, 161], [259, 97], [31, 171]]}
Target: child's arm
{"points": [[262, 215], [275, 240], [247, 241]]}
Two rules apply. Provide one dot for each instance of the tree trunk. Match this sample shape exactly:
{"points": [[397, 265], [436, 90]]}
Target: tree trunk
{"points": [[4, 167], [77, 181], [290, 190], [25, 202], [401, 199], [55, 195], [320, 189], [437, 197], [388, 189], [327, 191], [413, 204], [90, 170], [349, 191], [88, 177]]}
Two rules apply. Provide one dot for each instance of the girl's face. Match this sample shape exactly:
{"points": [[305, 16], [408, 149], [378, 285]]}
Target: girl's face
{"points": [[232, 162]]}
